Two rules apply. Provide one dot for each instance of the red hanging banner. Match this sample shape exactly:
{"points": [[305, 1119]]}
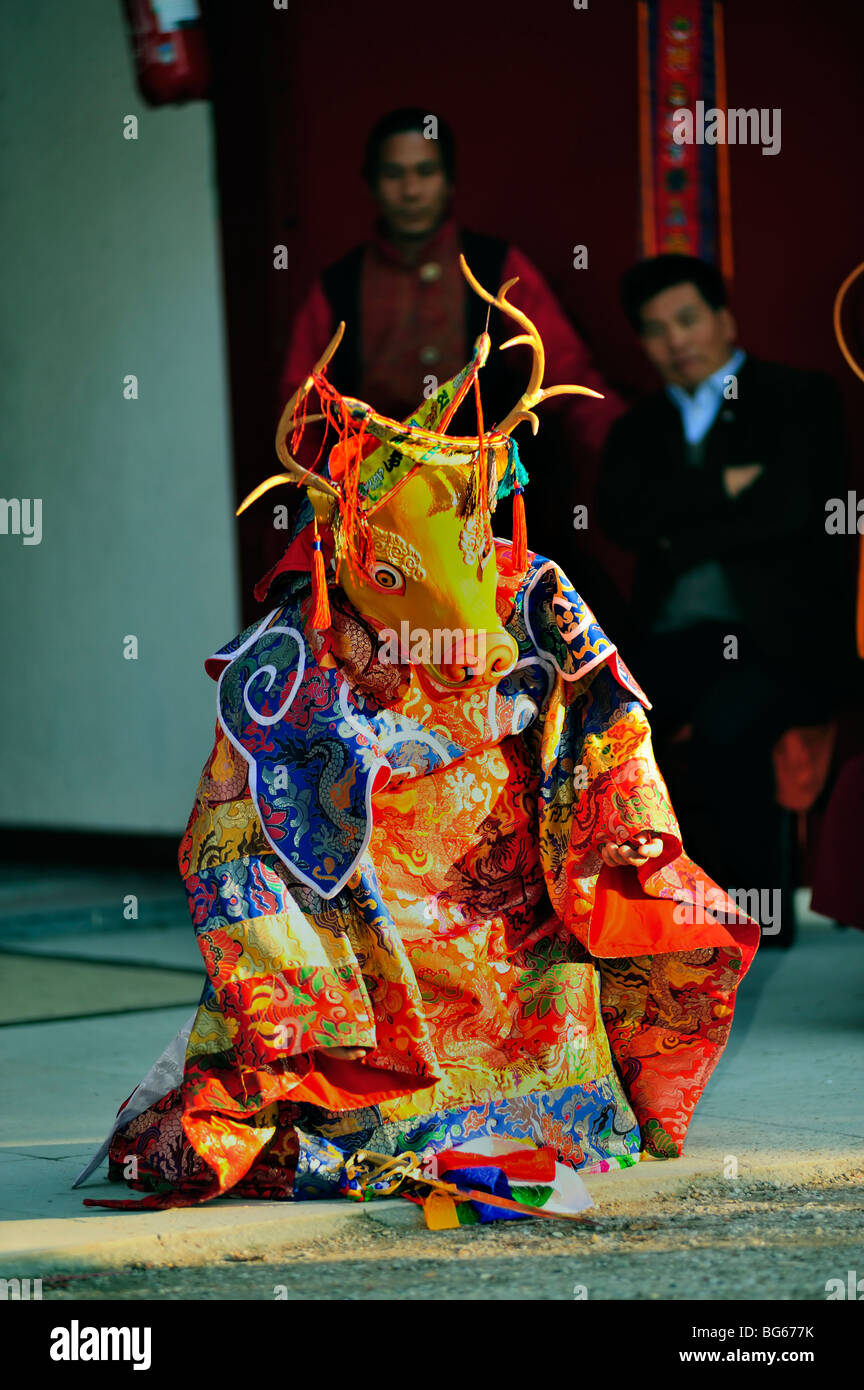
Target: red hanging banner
{"points": [[684, 186]]}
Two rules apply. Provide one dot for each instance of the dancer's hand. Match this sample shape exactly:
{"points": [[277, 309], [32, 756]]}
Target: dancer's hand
{"points": [[345, 1054], [739, 476], [634, 852]]}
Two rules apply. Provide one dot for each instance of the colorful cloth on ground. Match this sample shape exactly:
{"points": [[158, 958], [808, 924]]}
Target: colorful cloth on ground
{"points": [[367, 867]]}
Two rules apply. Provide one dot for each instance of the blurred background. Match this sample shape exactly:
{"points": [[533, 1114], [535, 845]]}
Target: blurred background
{"points": [[153, 258]]}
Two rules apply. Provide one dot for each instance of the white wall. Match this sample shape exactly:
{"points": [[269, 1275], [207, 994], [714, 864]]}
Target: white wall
{"points": [[110, 266]]}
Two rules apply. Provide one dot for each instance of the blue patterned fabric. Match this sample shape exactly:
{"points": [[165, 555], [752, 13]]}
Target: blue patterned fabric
{"points": [[595, 1126], [315, 746]]}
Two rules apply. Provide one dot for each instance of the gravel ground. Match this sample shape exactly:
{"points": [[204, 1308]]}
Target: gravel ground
{"points": [[715, 1240]]}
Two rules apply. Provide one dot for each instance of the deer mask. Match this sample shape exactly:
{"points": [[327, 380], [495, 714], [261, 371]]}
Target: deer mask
{"points": [[406, 510]]}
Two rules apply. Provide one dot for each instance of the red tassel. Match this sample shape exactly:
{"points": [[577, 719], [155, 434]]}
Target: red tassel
{"points": [[321, 617], [520, 533]]}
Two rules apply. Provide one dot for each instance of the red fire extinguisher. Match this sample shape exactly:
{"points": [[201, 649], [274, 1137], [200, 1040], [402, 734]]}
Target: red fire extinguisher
{"points": [[170, 50]]}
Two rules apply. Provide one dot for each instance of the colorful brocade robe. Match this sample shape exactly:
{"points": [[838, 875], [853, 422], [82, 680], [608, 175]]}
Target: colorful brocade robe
{"points": [[370, 867]]}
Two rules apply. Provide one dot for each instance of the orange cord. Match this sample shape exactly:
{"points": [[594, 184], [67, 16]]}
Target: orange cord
{"points": [[838, 325]]}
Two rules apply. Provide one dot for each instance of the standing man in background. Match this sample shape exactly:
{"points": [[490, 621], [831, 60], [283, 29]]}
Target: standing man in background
{"points": [[411, 316]]}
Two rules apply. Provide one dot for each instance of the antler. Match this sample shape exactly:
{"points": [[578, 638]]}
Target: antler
{"points": [[296, 471], [536, 392]]}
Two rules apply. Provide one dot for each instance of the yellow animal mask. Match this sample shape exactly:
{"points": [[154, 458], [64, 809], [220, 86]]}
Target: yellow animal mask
{"points": [[408, 508]]}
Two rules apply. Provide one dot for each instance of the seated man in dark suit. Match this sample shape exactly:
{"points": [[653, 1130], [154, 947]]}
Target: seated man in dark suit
{"points": [[719, 484]]}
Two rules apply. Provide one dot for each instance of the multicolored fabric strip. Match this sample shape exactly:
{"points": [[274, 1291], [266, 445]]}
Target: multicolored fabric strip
{"points": [[685, 195]]}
